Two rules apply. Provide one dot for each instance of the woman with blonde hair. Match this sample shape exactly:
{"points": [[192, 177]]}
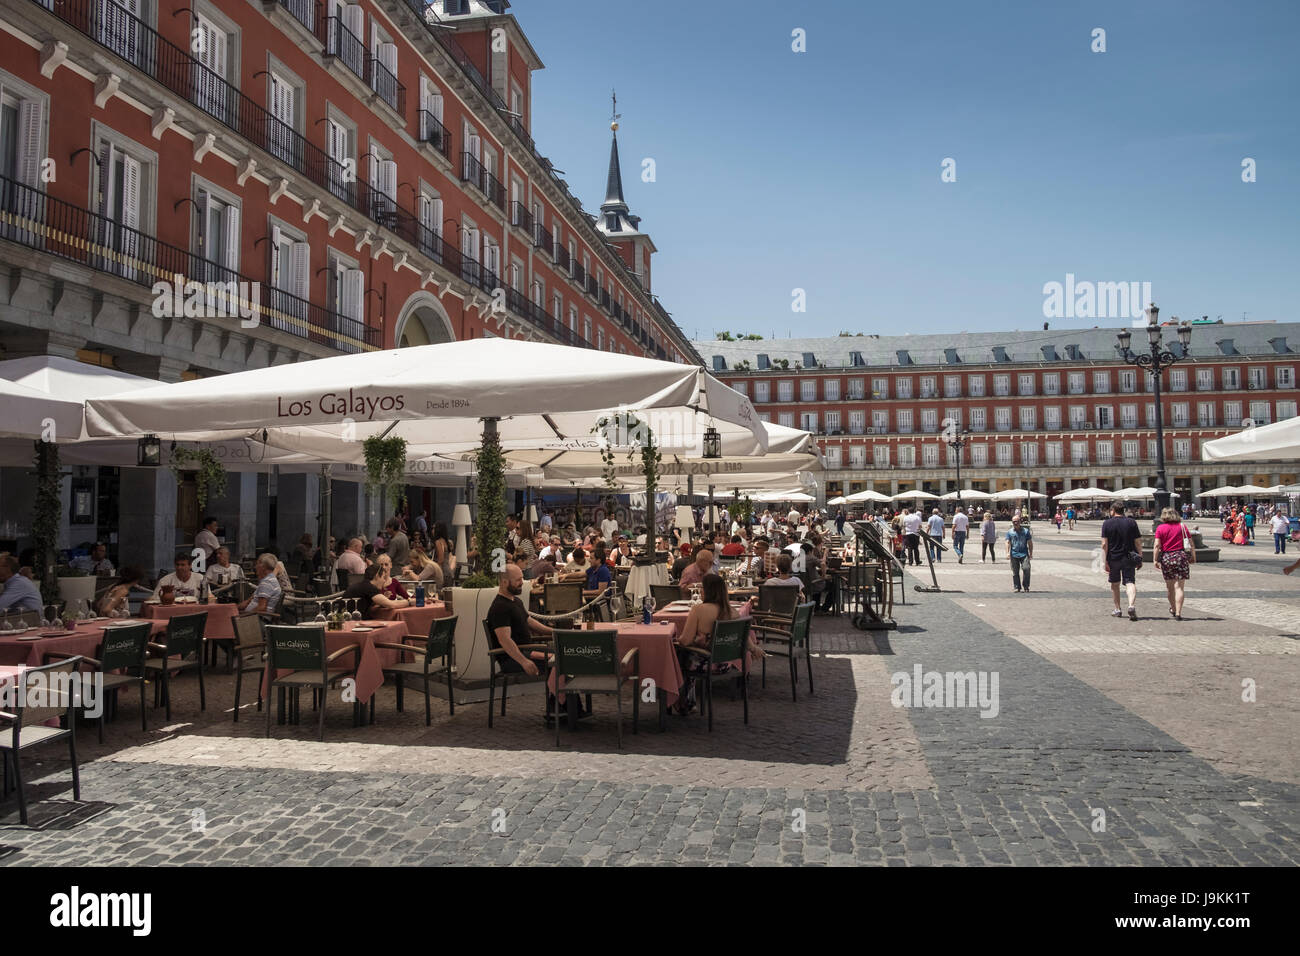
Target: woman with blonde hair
{"points": [[989, 538], [1173, 555], [424, 568]]}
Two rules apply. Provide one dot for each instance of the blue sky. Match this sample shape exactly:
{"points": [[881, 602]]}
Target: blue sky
{"points": [[821, 170]]}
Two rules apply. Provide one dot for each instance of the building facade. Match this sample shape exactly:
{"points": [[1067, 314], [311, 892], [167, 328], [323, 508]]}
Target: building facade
{"points": [[1047, 411], [194, 188]]}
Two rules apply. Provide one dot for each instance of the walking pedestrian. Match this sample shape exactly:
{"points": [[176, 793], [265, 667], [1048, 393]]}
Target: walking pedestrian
{"points": [[1174, 555], [1122, 539], [1280, 525], [1069, 516], [935, 528], [1059, 518], [912, 535], [1020, 551], [839, 522], [989, 538], [960, 528], [1250, 523]]}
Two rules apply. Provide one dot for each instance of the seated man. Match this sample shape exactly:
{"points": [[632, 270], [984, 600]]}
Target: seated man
{"points": [[735, 548], [20, 591], [695, 572], [351, 560], [221, 573], [599, 576], [372, 592], [509, 626], [96, 562], [266, 598], [785, 577], [542, 569], [623, 556], [186, 583]]}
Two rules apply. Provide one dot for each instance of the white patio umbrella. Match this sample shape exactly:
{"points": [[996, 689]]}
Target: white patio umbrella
{"points": [[867, 495], [50, 387], [917, 495], [1015, 494], [434, 396], [837, 501], [967, 494], [1281, 440], [1221, 491], [1252, 490], [1085, 494], [1144, 492], [781, 496]]}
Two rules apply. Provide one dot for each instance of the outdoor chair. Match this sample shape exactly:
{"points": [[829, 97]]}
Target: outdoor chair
{"points": [[27, 728], [124, 648], [563, 598], [728, 642], [786, 642], [249, 655], [776, 604], [301, 651], [436, 659], [496, 657], [184, 638], [588, 663], [665, 594]]}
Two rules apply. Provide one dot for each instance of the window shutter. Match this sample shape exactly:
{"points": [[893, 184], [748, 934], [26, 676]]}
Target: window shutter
{"points": [[279, 272], [231, 252], [29, 142], [435, 211], [355, 20], [388, 178], [300, 270], [351, 293], [105, 174], [201, 213], [388, 57]]}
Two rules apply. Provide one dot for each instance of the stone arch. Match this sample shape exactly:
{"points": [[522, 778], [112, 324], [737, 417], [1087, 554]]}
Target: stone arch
{"points": [[422, 321]]}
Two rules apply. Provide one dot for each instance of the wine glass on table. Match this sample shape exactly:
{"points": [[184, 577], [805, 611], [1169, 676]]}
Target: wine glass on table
{"points": [[355, 614]]}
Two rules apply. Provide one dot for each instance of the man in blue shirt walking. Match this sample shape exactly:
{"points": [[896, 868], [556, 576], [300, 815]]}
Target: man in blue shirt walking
{"points": [[1020, 548]]}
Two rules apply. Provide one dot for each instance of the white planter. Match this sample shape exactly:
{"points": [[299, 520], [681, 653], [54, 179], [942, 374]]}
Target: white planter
{"points": [[470, 605], [74, 590]]}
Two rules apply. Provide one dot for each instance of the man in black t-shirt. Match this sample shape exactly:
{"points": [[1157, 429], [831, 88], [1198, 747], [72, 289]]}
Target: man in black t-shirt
{"points": [[370, 592], [510, 626], [1120, 538]]}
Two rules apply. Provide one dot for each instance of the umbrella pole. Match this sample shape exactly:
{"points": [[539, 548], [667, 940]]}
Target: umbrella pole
{"points": [[326, 508]]}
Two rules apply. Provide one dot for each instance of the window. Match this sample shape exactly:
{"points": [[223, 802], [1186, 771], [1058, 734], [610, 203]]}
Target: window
{"points": [[600, 339], [1231, 378], [879, 421], [928, 388], [1001, 384], [121, 30], [1005, 450], [906, 456], [785, 391], [765, 417], [216, 234], [1151, 449], [383, 65], [905, 421], [1105, 453], [1285, 410], [383, 182], [1105, 416], [808, 422], [903, 387], [1128, 380], [1284, 376], [1204, 379], [741, 387], [1128, 416], [586, 334], [431, 118], [1178, 380], [1078, 416], [1028, 418], [345, 288], [857, 422], [858, 456], [975, 386], [979, 456], [1051, 383], [23, 130], [808, 390], [978, 419], [128, 183], [431, 231], [1078, 453], [952, 386], [573, 321], [857, 389], [880, 455], [832, 422], [1002, 418], [290, 272], [831, 390], [285, 95], [1232, 414], [213, 48], [1259, 413], [1258, 377], [1182, 450], [1026, 384], [1129, 449], [1205, 414], [831, 456], [1052, 417], [1055, 453], [929, 420], [1075, 383], [952, 418], [1029, 454], [929, 456], [786, 419], [1151, 415], [1101, 382], [952, 456], [1181, 419], [761, 391]]}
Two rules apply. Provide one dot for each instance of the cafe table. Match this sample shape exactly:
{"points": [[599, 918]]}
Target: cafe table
{"points": [[417, 619], [373, 660], [83, 637], [641, 577], [656, 659], [220, 625]]}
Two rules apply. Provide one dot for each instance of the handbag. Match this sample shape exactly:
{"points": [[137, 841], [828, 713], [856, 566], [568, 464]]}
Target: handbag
{"points": [[1187, 546], [1136, 558]]}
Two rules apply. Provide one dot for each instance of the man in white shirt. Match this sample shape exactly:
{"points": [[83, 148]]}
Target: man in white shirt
{"points": [[609, 527], [221, 572], [935, 527], [1281, 527], [793, 517], [960, 527], [96, 562], [552, 549], [207, 539], [912, 535], [186, 583], [351, 560]]}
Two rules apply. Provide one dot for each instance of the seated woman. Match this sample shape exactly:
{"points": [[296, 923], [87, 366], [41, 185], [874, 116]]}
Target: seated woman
{"points": [[424, 568], [714, 606], [372, 592], [117, 597], [394, 588]]}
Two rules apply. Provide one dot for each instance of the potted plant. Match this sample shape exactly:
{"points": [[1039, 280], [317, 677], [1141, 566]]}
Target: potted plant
{"points": [[385, 467], [45, 519], [209, 473], [627, 427]]}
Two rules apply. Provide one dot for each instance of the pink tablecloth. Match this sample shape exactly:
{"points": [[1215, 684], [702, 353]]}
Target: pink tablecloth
{"points": [[656, 655], [370, 672], [220, 625], [84, 640], [417, 619]]}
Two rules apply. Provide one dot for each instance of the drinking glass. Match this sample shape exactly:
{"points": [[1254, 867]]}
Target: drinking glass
{"points": [[45, 618], [356, 614], [320, 614]]}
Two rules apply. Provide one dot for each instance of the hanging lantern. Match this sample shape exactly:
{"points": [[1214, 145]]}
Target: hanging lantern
{"points": [[712, 443], [149, 452]]}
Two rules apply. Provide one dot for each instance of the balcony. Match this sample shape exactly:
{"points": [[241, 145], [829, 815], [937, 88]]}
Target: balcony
{"points": [[473, 171], [542, 238], [593, 289], [38, 221], [561, 256], [304, 11], [579, 275], [605, 299], [434, 133]]}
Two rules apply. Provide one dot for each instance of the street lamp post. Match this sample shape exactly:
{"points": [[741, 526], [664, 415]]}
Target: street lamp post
{"points": [[1155, 362], [957, 442]]}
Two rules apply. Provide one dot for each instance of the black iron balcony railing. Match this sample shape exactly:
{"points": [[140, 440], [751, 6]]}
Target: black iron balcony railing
{"points": [[579, 275], [473, 171], [37, 220], [305, 12], [593, 289], [542, 237], [562, 257], [521, 217], [351, 51], [434, 133], [604, 298], [383, 82]]}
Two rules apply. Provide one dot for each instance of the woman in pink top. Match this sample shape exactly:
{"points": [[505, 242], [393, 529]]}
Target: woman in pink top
{"points": [[1174, 555]]}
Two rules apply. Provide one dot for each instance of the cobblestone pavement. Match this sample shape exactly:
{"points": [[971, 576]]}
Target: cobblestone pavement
{"points": [[1113, 742]]}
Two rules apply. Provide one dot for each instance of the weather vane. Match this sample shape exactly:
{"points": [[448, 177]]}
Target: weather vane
{"points": [[615, 115]]}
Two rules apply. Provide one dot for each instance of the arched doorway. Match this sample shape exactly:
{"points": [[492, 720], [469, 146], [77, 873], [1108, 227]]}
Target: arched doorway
{"points": [[422, 321]]}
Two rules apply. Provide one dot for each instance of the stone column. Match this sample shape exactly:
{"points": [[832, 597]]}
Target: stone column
{"points": [[147, 519], [297, 511]]}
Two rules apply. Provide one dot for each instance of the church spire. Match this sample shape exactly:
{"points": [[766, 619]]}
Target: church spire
{"points": [[614, 201]]}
